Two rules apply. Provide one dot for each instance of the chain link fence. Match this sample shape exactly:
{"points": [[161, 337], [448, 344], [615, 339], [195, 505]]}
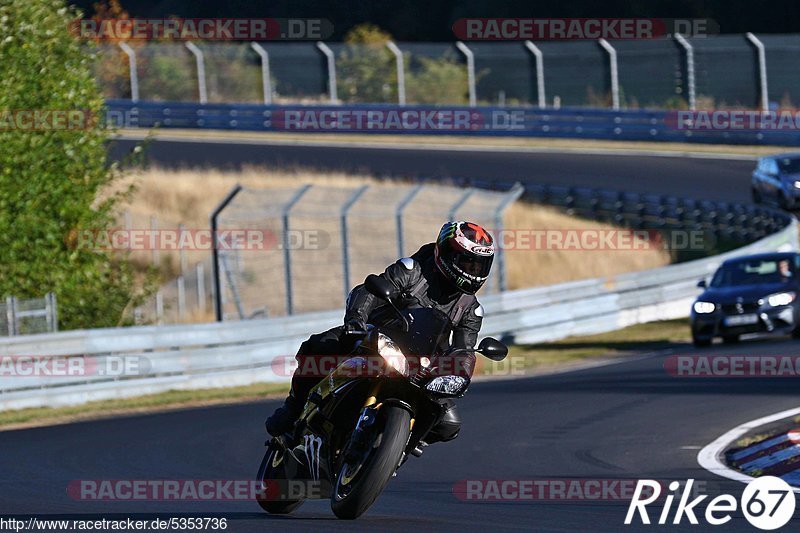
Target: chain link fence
{"points": [[651, 73], [320, 241]]}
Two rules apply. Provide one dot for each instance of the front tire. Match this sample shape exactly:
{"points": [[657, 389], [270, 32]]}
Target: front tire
{"points": [[272, 470], [351, 498]]}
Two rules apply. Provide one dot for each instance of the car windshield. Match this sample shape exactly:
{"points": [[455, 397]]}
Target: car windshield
{"points": [[754, 272], [789, 165]]}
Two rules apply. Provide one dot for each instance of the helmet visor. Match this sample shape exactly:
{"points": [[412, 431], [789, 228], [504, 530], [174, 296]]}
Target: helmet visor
{"points": [[475, 266]]}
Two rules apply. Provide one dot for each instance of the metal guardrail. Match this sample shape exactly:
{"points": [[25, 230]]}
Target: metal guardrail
{"points": [[219, 354], [577, 123]]}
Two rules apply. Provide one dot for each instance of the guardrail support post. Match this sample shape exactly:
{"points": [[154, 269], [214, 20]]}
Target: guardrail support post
{"points": [[134, 75], [401, 72], [345, 242], [325, 49], [612, 61], [762, 70], [217, 285], [51, 312], [201, 71], [537, 54], [266, 81], [690, 88], [287, 256], [470, 71], [511, 196], [399, 218]]}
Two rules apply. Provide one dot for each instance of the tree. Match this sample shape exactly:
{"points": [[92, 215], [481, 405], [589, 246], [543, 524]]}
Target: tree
{"points": [[55, 177]]}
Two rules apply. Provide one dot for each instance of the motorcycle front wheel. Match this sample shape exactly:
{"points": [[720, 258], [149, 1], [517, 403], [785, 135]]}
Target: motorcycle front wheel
{"points": [[359, 485], [270, 474]]}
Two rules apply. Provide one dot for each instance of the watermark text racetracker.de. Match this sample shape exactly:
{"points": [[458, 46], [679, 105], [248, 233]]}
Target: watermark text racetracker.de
{"points": [[733, 366], [734, 120], [202, 29], [188, 239], [556, 29], [39, 366]]}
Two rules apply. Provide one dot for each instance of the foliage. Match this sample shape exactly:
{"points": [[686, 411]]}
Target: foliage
{"points": [[53, 179]]}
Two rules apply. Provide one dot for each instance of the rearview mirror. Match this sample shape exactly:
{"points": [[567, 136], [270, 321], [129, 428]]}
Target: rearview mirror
{"points": [[493, 349], [377, 286], [701, 284]]}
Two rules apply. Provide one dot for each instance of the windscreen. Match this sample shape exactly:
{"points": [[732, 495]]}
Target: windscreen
{"points": [[754, 273]]}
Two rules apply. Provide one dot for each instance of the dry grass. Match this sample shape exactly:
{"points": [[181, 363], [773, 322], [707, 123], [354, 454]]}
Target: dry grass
{"points": [[188, 196]]}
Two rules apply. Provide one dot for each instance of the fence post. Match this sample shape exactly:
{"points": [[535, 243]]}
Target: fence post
{"points": [[325, 49], [343, 221], [399, 218], [11, 315], [537, 54], [401, 72], [762, 70], [612, 59], [201, 288], [201, 71], [690, 88], [511, 196], [470, 71], [287, 256], [451, 215], [266, 82], [159, 307], [134, 75], [216, 287], [181, 297], [237, 299]]}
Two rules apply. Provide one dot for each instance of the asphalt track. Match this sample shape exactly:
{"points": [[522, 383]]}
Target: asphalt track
{"points": [[628, 420], [701, 178]]}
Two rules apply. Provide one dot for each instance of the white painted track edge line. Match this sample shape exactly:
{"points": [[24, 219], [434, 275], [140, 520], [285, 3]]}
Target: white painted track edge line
{"points": [[710, 457]]}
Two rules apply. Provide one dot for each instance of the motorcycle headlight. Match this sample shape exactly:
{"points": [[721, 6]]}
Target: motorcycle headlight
{"points": [[450, 385], [391, 353], [702, 308], [797, 184], [781, 298]]}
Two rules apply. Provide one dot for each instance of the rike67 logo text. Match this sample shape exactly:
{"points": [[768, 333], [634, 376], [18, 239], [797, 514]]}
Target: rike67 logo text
{"points": [[767, 503]]}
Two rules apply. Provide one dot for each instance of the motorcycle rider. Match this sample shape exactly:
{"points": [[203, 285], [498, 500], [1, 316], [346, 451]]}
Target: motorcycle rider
{"points": [[444, 275]]}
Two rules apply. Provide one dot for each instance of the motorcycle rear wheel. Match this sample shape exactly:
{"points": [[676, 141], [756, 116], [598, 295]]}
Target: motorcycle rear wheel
{"points": [[272, 468], [351, 501]]}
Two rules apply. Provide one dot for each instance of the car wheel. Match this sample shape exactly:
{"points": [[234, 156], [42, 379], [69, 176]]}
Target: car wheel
{"points": [[730, 339], [700, 342]]}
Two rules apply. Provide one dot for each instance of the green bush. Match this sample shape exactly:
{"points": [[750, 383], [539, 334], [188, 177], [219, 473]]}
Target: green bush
{"points": [[52, 180]]}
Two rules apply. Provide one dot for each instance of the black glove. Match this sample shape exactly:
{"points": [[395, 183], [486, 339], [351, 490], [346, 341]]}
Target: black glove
{"points": [[354, 326]]}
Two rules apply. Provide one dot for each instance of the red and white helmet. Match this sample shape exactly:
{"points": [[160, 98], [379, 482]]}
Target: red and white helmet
{"points": [[463, 254]]}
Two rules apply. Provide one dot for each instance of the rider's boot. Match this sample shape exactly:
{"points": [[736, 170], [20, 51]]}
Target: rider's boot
{"points": [[283, 419]]}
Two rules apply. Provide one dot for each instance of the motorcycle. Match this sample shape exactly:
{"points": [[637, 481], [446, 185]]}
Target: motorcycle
{"points": [[371, 412]]}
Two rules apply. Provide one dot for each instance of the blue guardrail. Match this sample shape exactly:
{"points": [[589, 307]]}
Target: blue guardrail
{"points": [[576, 123]]}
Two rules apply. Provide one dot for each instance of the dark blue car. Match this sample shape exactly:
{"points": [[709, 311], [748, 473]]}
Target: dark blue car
{"points": [[776, 180], [750, 294]]}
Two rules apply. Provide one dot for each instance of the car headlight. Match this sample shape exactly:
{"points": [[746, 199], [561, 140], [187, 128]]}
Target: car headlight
{"points": [[450, 385], [781, 298], [391, 353], [702, 308]]}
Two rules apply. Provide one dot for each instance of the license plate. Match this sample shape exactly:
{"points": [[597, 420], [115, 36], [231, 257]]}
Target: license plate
{"points": [[741, 320]]}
